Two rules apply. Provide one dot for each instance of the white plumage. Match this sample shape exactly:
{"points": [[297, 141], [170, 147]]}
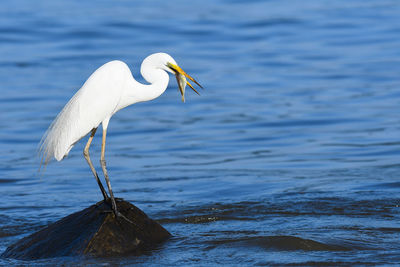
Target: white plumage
{"points": [[95, 103], [109, 89]]}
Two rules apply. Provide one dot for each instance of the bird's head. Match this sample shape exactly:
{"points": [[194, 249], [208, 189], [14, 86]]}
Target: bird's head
{"points": [[181, 79], [168, 64]]}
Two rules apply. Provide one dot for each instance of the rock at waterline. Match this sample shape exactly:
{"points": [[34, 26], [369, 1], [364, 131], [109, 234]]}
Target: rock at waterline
{"points": [[93, 231]]}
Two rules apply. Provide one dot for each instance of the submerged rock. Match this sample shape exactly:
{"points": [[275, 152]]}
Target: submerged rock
{"points": [[93, 231]]}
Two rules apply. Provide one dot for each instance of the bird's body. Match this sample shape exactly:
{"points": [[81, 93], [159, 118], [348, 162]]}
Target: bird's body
{"points": [[109, 89]]}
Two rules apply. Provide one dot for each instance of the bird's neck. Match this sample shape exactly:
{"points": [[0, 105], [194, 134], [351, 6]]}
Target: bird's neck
{"points": [[137, 92]]}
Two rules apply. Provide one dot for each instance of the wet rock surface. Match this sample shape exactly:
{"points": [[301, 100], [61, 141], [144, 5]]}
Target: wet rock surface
{"points": [[93, 231]]}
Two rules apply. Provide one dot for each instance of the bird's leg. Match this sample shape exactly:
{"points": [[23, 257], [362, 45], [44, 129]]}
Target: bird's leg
{"points": [[87, 157], [103, 166]]}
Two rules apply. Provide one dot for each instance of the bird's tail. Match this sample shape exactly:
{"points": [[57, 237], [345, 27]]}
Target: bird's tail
{"points": [[44, 150], [47, 145]]}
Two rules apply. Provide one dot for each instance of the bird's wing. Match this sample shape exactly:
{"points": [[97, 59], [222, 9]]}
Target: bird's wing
{"points": [[95, 102]]}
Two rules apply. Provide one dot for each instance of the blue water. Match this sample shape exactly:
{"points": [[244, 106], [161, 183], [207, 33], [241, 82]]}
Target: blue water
{"points": [[295, 138]]}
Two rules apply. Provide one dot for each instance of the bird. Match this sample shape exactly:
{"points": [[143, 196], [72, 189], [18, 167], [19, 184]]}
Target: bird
{"points": [[108, 89]]}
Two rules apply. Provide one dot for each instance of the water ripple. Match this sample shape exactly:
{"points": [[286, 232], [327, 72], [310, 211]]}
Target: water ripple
{"points": [[292, 148]]}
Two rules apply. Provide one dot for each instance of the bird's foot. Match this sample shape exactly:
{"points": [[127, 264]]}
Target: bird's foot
{"points": [[120, 215], [114, 210]]}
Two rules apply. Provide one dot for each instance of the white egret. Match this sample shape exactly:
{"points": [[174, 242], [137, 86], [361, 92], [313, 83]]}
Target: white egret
{"points": [[109, 89]]}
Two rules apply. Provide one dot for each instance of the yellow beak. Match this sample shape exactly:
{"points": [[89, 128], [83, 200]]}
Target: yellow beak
{"points": [[180, 78]]}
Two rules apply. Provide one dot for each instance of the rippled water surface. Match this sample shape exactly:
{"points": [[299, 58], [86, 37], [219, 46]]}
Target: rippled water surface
{"points": [[290, 156]]}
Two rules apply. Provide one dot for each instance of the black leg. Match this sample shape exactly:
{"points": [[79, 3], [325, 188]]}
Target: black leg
{"points": [[103, 166], [87, 157]]}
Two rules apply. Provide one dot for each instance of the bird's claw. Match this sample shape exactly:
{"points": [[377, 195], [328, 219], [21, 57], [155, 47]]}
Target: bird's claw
{"points": [[120, 215]]}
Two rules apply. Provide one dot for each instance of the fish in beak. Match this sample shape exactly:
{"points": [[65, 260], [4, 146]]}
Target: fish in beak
{"points": [[181, 76]]}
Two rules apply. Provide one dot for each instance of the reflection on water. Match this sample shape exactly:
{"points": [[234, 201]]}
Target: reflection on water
{"points": [[290, 155]]}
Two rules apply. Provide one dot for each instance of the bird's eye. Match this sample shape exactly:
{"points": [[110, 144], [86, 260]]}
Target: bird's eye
{"points": [[171, 67]]}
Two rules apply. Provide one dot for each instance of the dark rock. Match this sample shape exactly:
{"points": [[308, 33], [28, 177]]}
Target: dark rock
{"points": [[93, 231]]}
